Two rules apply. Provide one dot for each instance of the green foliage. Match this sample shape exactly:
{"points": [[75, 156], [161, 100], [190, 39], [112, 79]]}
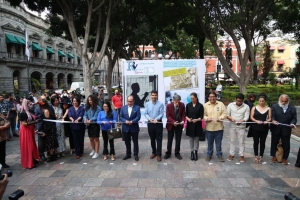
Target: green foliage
{"points": [[273, 92], [272, 77], [35, 84]]}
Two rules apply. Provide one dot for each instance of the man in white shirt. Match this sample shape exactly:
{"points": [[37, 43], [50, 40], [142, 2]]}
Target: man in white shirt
{"points": [[237, 113], [219, 90]]}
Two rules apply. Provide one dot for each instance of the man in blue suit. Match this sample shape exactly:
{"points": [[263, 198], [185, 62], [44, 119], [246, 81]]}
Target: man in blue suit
{"points": [[130, 116]]}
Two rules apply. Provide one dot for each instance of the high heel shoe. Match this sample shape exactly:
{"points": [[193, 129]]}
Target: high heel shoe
{"points": [[260, 160], [195, 155], [192, 155], [256, 159]]}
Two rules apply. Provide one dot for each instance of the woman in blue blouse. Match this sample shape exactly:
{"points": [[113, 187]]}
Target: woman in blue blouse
{"points": [[107, 119], [78, 129], [90, 117]]}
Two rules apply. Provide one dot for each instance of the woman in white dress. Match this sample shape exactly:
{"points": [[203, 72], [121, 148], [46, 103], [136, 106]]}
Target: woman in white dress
{"points": [[60, 133]]}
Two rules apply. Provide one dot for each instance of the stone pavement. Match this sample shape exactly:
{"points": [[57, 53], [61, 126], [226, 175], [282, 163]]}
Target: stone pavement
{"points": [[86, 178]]}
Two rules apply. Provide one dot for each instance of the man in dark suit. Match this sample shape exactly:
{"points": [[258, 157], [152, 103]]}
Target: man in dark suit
{"points": [[130, 116], [282, 113], [175, 119]]}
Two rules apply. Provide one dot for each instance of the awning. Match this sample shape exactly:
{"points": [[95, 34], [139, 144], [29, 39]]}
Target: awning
{"points": [[61, 53], [272, 48], [20, 40], [70, 55], [49, 50], [36, 47], [78, 57], [281, 48], [280, 62], [11, 39]]}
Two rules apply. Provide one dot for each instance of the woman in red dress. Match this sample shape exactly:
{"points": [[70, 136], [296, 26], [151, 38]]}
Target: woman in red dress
{"points": [[28, 148]]}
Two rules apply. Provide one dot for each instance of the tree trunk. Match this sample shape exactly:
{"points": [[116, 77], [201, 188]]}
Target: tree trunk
{"points": [[87, 77], [108, 80], [243, 88], [201, 46]]}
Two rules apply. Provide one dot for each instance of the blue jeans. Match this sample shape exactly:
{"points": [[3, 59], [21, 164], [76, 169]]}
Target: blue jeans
{"points": [[220, 94], [214, 136]]}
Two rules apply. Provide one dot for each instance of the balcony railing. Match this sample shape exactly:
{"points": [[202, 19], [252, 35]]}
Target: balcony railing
{"points": [[12, 57]]}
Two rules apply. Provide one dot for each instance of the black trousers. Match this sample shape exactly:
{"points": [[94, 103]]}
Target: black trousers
{"points": [[68, 133], [178, 133], [285, 144], [105, 144], [41, 146], [13, 122], [298, 157], [155, 133], [259, 138], [134, 137], [2, 152], [78, 136]]}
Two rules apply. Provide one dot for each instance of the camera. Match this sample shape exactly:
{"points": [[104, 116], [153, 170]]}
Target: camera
{"points": [[9, 174], [16, 194], [290, 196]]}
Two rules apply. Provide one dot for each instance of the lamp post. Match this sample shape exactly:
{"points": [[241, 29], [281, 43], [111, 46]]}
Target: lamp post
{"points": [[160, 52]]}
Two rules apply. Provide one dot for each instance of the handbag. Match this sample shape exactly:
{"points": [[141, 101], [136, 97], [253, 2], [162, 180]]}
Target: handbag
{"points": [[114, 133], [249, 134], [202, 136], [279, 153]]}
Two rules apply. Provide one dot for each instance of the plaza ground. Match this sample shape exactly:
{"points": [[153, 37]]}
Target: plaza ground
{"points": [[86, 178]]}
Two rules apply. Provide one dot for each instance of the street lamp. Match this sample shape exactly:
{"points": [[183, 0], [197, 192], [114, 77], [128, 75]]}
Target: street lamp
{"points": [[152, 55]]}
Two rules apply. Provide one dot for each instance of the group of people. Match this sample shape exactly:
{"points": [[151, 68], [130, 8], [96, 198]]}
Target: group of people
{"points": [[200, 121]]}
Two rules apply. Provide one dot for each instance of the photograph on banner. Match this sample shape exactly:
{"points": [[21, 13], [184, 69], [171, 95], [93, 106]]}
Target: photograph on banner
{"points": [[184, 94], [180, 78], [140, 87]]}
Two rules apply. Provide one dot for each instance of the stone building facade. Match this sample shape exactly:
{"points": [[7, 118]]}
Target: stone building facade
{"points": [[53, 62]]}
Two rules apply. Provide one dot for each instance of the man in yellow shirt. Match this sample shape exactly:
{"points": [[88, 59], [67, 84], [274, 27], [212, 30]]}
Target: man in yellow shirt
{"points": [[214, 114]]}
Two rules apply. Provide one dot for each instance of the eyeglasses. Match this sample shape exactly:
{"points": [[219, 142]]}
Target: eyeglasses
{"points": [[211, 97]]}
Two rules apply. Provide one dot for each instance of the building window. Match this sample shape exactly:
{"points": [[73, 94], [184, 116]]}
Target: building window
{"points": [[9, 47], [49, 56], [280, 50], [18, 49], [280, 68], [35, 53], [61, 59]]}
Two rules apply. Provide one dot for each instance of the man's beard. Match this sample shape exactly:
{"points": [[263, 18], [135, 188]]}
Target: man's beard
{"points": [[283, 106]]}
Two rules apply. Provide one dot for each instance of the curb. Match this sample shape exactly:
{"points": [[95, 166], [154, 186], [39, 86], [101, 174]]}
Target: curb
{"points": [[295, 138]]}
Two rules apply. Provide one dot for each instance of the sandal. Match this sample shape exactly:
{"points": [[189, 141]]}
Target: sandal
{"points": [[260, 160], [105, 157], [112, 157], [256, 160]]}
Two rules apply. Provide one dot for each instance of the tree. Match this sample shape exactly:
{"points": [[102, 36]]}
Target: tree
{"points": [[83, 18], [240, 20], [268, 61]]}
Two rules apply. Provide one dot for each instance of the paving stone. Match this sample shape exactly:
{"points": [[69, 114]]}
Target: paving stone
{"points": [[220, 182], [129, 182], [257, 182], [111, 182], [95, 192], [175, 193], [133, 193], [190, 174], [216, 192], [60, 173], [155, 193], [60, 181], [45, 173], [139, 174], [195, 192], [76, 191], [27, 181], [93, 182], [292, 182], [107, 174], [276, 183], [115, 192], [207, 174], [43, 181], [239, 182]]}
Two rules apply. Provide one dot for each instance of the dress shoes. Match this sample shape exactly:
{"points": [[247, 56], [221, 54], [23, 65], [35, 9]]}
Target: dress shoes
{"points": [[136, 158], [158, 158], [5, 165], [178, 157], [167, 156], [43, 158], [152, 156], [297, 165], [126, 157]]}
